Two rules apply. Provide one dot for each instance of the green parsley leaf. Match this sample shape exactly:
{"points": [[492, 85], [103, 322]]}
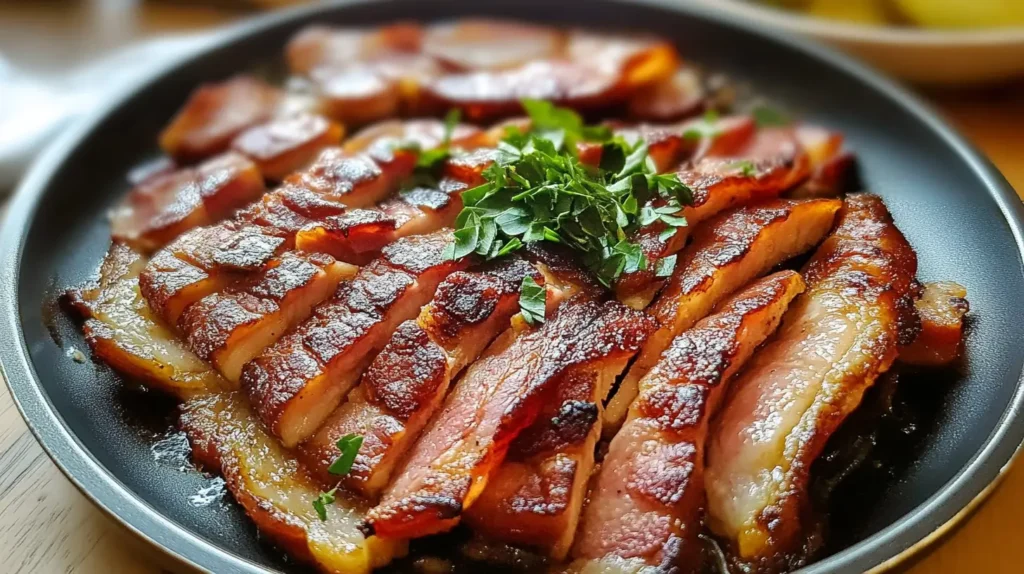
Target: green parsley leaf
{"points": [[532, 301], [665, 266], [349, 446], [451, 121], [320, 502], [766, 116], [746, 167], [538, 190]]}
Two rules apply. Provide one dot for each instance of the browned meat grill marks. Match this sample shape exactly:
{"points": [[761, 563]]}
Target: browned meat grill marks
{"points": [[837, 338], [500, 395], [165, 205], [405, 384], [727, 252], [646, 503], [296, 383], [737, 167], [231, 327]]}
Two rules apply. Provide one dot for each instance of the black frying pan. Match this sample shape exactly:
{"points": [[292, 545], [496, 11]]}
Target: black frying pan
{"points": [[958, 212]]}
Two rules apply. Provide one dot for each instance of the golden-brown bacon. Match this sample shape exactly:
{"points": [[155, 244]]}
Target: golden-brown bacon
{"points": [[165, 205], [500, 395], [297, 382], [204, 261], [834, 341], [591, 72], [215, 114], [480, 44], [646, 503], [274, 490], [317, 46], [124, 333], [354, 180], [408, 380], [677, 97], [942, 307], [231, 327], [535, 497], [733, 166], [284, 145], [727, 252]]}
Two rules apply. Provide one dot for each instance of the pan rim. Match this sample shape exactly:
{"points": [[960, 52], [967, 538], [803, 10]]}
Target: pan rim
{"points": [[881, 550]]}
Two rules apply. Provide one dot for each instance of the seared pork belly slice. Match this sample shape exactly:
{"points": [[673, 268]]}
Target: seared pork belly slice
{"points": [[167, 204], [735, 169], [215, 113], [405, 384], [679, 96], [501, 394], [481, 44], [297, 382], [942, 307], [381, 139], [534, 498], [123, 331], [358, 235], [318, 45], [204, 261], [231, 327], [833, 171], [287, 144], [727, 252], [647, 500], [835, 340], [272, 488], [355, 180], [361, 92], [592, 72]]}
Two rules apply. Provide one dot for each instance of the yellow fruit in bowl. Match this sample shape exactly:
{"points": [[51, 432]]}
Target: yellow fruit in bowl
{"points": [[854, 11], [962, 13]]}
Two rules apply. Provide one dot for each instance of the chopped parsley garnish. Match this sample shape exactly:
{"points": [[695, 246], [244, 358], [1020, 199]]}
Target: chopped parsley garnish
{"points": [[532, 301], [767, 116], [321, 502], [706, 128], [746, 167], [349, 446], [537, 190]]}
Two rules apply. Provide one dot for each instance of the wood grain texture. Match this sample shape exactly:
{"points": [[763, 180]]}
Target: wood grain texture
{"points": [[48, 526]]}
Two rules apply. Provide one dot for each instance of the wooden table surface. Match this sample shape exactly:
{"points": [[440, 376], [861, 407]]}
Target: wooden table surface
{"points": [[47, 526]]}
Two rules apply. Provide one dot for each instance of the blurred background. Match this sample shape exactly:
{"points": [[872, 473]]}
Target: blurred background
{"points": [[59, 58]]}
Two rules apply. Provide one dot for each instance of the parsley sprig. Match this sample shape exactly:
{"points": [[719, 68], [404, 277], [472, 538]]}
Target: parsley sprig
{"points": [[349, 446], [537, 190]]}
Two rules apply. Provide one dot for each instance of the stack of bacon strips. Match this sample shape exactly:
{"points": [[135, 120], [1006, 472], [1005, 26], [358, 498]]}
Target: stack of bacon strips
{"points": [[286, 320]]}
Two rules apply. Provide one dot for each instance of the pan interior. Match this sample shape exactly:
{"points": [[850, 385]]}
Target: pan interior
{"points": [[937, 199]]}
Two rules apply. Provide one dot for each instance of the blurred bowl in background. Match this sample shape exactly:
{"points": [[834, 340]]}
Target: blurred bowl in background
{"points": [[933, 56]]}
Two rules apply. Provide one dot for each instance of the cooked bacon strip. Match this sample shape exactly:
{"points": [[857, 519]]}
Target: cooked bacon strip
{"points": [[296, 383], [204, 261], [317, 45], [372, 90], [727, 252], [593, 72], [677, 97], [833, 171], [231, 327], [165, 205], [275, 492], [408, 380], [358, 235], [381, 139], [480, 44], [835, 340], [646, 504], [942, 307], [355, 180], [287, 144], [124, 333], [535, 497], [214, 114], [501, 394], [735, 169]]}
